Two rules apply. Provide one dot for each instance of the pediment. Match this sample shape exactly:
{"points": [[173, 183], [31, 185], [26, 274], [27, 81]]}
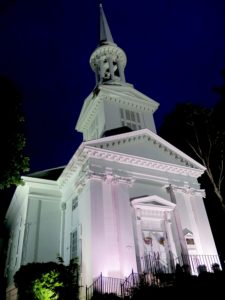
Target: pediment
{"points": [[136, 149], [187, 232], [152, 201], [145, 144]]}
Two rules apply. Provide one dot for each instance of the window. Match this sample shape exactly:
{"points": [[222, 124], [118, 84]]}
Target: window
{"points": [[73, 245], [74, 203], [190, 241], [130, 119]]}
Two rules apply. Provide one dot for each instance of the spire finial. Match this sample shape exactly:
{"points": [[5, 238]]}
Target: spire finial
{"points": [[105, 33]]}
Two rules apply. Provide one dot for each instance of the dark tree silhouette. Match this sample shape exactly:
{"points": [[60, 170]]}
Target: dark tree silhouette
{"points": [[200, 133], [13, 162], [196, 131]]}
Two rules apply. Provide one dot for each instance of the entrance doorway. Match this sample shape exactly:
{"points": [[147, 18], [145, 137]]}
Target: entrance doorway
{"points": [[155, 243]]}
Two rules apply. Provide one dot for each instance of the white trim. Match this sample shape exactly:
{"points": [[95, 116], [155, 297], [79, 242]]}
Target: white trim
{"points": [[121, 94], [146, 203], [137, 161], [152, 136], [33, 180], [86, 152], [152, 198], [44, 198]]}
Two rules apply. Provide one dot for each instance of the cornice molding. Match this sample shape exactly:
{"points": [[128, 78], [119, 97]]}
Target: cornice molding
{"points": [[124, 95], [80, 161], [32, 181], [131, 93], [129, 101], [126, 100], [44, 198], [108, 155], [77, 165], [147, 134]]}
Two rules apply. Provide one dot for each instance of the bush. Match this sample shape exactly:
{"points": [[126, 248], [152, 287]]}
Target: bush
{"points": [[43, 281]]}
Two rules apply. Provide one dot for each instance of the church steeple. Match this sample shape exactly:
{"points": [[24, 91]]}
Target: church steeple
{"points": [[105, 33], [108, 61], [114, 106]]}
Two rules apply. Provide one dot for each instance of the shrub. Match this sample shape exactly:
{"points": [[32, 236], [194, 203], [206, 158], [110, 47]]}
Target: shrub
{"points": [[42, 281]]}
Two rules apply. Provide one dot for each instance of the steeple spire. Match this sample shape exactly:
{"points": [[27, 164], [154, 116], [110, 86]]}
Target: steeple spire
{"points": [[108, 61], [105, 33]]}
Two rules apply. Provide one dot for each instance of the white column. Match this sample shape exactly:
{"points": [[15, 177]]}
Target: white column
{"points": [[193, 225], [139, 237], [32, 240], [112, 258], [177, 220], [171, 245], [202, 223], [62, 234], [98, 232], [125, 229]]}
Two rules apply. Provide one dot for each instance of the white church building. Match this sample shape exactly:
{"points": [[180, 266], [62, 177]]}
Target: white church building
{"points": [[126, 194]]}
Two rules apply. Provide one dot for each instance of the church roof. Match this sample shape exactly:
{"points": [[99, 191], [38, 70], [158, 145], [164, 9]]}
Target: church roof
{"points": [[50, 174]]}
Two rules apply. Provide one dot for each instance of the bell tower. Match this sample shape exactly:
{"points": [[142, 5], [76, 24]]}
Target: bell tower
{"points": [[114, 106]]}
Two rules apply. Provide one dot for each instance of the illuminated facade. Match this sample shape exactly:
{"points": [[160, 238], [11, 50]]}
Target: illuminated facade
{"points": [[125, 194]]}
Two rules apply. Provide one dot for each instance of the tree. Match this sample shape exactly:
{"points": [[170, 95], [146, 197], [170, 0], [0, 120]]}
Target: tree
{"points": [[220, 125], [200, 133], [13, 162], [195, 130]]}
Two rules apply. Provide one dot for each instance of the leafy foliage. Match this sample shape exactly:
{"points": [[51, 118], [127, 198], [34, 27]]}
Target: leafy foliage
{"points": [[45, 288], [48, 281], [12, 160]]}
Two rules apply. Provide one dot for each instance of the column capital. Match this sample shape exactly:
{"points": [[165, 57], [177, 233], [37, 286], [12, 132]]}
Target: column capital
{"points": [[185, 190], [106, 175]]}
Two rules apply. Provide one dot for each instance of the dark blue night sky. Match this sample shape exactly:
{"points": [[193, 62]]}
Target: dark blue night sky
{"points": [[175, 51]]}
